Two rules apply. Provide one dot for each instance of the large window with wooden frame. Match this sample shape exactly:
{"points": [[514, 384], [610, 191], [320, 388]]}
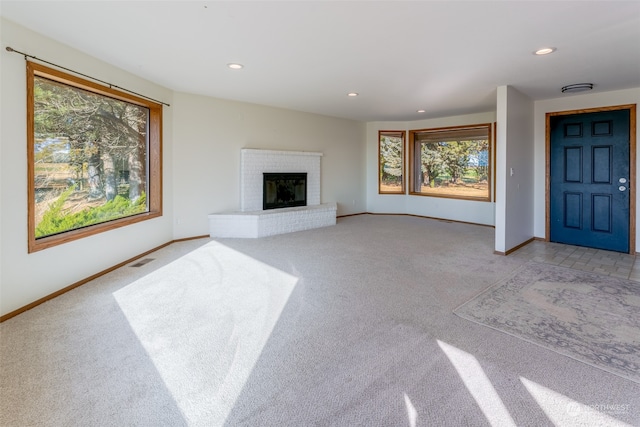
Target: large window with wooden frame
{"points": [[94, 158], [452, 162], [391, 162]]}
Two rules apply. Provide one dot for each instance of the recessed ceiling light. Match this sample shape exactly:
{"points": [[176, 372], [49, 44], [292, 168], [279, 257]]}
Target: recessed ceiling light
{"points": [[578, 87], [353, 94], [235, 66], [545, 51], [420, 111]]}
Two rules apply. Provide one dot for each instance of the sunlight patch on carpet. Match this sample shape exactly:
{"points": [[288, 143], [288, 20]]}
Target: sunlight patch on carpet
{"points": [[204, 320], [563, 411], [412, 414], [591, 318], [479, 385]]}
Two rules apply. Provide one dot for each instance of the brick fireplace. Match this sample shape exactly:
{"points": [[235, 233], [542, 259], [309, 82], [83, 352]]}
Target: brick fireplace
{"points": [[252, 220]]}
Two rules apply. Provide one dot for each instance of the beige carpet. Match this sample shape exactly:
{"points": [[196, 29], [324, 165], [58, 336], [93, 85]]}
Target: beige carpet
{"points": [[204, 319], [586, 316], [347, 325]]}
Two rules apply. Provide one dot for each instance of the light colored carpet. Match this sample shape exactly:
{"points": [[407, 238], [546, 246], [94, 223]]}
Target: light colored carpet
{"points": [[347, 325], [204, 319], [582, 315]]}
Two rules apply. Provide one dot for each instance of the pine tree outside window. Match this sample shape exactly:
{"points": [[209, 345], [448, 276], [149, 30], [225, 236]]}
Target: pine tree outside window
{"points": [[94, 158], [391, 162], [452, 162]]}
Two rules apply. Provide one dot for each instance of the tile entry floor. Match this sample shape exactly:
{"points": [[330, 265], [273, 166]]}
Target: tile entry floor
{"points": [[608, 263]]}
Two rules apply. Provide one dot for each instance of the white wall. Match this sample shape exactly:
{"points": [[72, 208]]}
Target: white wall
{"points": [[570, 103], [25, 277], [209, 134], [436, 207], [515, 172]]}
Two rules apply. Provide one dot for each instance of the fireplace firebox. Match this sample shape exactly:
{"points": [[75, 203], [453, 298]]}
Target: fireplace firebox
{"points": [[284, 190]]}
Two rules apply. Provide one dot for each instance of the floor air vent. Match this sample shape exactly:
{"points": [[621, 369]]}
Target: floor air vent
{"points": [[142, 262]]}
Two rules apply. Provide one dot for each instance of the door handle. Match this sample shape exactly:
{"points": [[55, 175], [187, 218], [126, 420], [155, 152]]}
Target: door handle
{"points": [[624, 181]]}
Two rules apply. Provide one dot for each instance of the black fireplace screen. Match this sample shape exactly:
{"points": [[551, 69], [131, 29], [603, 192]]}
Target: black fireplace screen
{"points": [[284, 190]]}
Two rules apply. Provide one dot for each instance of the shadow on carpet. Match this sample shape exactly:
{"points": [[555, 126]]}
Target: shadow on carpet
{"points": [[591, 318]]}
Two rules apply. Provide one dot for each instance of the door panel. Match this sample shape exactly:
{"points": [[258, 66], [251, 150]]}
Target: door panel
{"points": [[573, 164], [601, 165], [573, 210], [601, 207], [589, 179]]}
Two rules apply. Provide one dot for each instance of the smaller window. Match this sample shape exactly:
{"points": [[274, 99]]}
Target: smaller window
{"points": [[391, 162], [451, 162]]}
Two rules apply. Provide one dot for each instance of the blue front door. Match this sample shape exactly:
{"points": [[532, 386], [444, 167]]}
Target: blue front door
{"points": [[589, 182]]}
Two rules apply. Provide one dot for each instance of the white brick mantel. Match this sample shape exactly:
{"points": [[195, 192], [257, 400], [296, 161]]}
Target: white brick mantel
{"points": [[253, 163], [252, 221]]}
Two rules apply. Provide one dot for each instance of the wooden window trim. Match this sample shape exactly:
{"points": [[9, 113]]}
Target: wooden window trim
{"points": [[154, 156], [401, 134], [412, 168]]}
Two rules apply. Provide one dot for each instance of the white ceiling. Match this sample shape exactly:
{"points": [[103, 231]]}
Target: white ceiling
{"points": [[446, 57]]}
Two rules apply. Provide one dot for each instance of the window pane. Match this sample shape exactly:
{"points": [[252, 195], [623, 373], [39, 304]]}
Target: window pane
{"points": [[452, 162], [391, 162], [90, 158]]}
